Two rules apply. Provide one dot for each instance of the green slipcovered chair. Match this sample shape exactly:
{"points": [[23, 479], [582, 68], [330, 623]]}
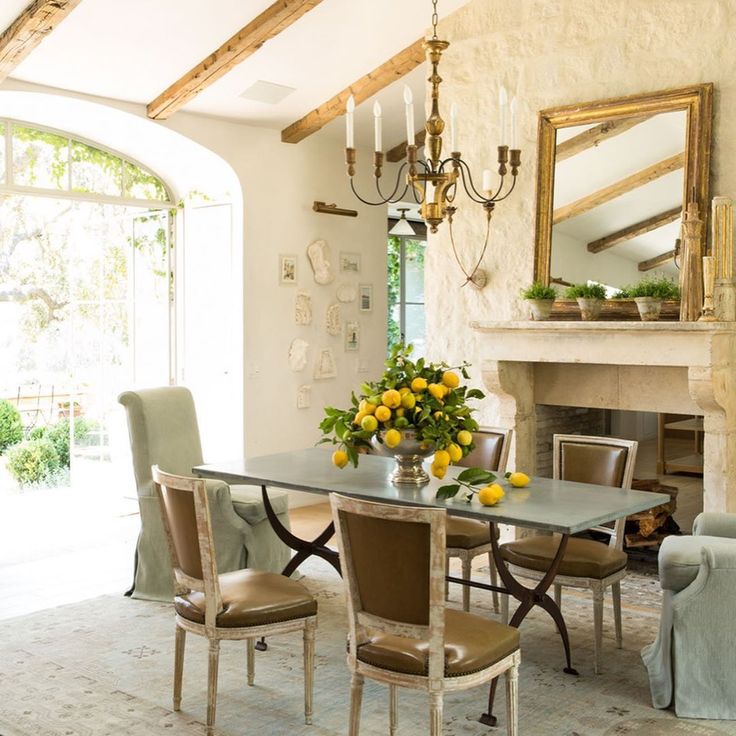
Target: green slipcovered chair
{"points": [[692, 664], [162, 423]]}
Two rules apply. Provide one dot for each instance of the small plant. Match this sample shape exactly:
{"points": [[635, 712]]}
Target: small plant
{"points": [[538, 290], [59, 436], [622, 293], [33, 461], [11, 427], [586, 291], [658, 287]]}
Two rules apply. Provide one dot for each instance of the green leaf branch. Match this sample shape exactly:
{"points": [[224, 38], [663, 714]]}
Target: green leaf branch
{"points": [[468, 479]]}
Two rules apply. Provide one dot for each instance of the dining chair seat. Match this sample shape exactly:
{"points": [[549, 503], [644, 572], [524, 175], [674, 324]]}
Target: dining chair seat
{"points": [[467, 533], [251, 598], [584, 558], [472, 643]]}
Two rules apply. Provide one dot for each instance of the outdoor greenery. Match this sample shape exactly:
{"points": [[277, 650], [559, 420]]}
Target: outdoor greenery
{"points": [[659, 287], [413, 253], [11, 427], [538, 290], [586, 291], [59, 435], [33, 461]]}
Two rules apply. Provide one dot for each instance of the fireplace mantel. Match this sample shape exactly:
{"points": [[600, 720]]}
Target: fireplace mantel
{"points": [[682, 367]]}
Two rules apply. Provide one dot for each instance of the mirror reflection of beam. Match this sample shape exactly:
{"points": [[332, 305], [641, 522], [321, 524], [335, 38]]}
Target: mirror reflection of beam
{"points": [[657, 261], [651, 173], [633, 231], [595, 135]]}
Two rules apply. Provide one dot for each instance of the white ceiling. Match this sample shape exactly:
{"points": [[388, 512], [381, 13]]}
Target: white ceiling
{"points": [[134, 50]]}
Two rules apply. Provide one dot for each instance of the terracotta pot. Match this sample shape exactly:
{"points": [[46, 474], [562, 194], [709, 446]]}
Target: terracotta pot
{"points": [[649, 307], [541, 308], [590, 309]]}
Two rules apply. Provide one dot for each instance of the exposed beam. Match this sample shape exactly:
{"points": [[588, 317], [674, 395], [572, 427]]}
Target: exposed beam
{"points": [[657, 261], [633, 231], [655, 171], [276, 18], [398, 153], [595, 135], [365, 87], [29, 29]]}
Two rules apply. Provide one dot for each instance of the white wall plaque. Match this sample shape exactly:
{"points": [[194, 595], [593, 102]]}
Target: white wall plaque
{"points": [[298, 354], [325, 367], [304, 397], [318, 253], [333, 324], [346, 293], [303, 308]]}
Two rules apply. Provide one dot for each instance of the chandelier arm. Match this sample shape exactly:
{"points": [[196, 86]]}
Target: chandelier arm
{"points": [[511, 189], [485, 247], [427, 170], [457, 258], [391, 196], [365, 201], [472, 192]]}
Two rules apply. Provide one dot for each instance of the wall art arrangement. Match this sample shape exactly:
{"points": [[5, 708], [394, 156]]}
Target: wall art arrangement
{"points": [[318, 253], [333, 323], [349, 262], [304, 397], [352, 337], [325, 367], [365, 297], [303, 308], [288, 269], [298, 354]]}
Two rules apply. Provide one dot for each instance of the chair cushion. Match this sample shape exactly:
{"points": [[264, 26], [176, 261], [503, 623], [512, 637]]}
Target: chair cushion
{"points": [[251, 598], [680, 558], [472, 643], [467, 533], [583, 558], [248, 502]]}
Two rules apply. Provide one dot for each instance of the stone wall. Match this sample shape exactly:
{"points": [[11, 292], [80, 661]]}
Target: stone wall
{"points": [[556, 52]]}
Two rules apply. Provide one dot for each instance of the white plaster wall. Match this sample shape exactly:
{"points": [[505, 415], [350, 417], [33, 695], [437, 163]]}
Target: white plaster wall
{"points": [[557, 52]]}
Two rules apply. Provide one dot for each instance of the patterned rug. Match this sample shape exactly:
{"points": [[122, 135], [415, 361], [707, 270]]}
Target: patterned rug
{"points": [[104, 667]]}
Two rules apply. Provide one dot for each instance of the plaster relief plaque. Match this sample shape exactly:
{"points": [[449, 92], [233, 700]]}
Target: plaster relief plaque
{"points": [[325, 366], [304, 397], [333, 320], [298, 354], [346, 293], [303, 312], [318, 253]]}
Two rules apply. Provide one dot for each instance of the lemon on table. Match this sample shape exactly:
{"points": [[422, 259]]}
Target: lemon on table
{"points": [[442, 458], [382, 413], [391, 398], [392, 438], [369, 423], [418, 385], [438, 471], [518, 480], [490, 495], [455, 452], [340, 458], [464, 438], [450, 379]]}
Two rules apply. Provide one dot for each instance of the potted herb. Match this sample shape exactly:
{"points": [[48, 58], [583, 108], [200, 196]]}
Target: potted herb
{"points": [[541, 298], [590, 298], [649, 294]]}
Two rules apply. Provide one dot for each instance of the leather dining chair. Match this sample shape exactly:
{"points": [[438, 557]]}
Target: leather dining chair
{"points": [[588, 564], [400, 632], [238, 605], [469, 538]]}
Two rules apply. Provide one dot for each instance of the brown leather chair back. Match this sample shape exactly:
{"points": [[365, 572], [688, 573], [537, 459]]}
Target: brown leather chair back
{"points": [[181, 520], [491, 450], [600, 464]]}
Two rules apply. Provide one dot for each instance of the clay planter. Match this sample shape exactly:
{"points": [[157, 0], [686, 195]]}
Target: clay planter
{"points": [[649, 307], [541, 308], [590, 309]]}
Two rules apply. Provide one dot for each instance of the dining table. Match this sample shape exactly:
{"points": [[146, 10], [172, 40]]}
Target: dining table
{"points": [[545, 505]]}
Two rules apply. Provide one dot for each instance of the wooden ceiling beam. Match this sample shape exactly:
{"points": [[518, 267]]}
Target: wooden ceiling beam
{"points": [[272, 21], [372, 83], [595, 135], [29, 29], [398, 153], [633, 231], [587, 203], [657, 261]]}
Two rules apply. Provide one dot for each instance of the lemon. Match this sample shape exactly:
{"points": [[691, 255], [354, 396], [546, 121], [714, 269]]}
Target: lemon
{"points": [[418, 385], [438, 471], [391, 398], [369, 423], [442, 458], [400, 411], [464, 438], [359, 417], [491, 495], [392, 438], [366, 407], [382, 413], [340, 458], [519, 480], [401, 422], [455, 452], [450, 379], [404, 390], [408, 401], [437, 390]]}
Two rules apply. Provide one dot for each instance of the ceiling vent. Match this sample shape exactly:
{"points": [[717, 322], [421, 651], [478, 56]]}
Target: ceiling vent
{"points": [[267, 92]]}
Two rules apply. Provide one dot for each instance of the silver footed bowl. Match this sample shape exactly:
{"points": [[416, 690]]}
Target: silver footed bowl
{"points": [[409, 454]]}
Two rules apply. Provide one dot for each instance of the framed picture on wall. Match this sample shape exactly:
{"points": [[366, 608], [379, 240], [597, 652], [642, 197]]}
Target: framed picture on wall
{"points": [[365, 297], [287, 269], [352, 337], [349, 262]]}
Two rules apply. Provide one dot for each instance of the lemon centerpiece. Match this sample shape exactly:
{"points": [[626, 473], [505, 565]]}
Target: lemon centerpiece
{"points": [[414, 410]]}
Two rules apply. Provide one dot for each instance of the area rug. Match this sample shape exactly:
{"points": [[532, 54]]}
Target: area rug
{"points": [[104, 667]]}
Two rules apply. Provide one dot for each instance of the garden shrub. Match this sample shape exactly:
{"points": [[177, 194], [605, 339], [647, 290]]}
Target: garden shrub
{"points": [[11, 427], [33, 461], [58, 435]]}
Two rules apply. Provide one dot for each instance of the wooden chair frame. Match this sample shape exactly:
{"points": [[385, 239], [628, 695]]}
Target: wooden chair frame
{"points": [[616, 534], [466, 556], [360, 622], [210, 587]]}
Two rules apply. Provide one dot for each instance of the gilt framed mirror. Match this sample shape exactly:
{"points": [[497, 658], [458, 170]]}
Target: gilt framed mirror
{"points": [[614, 180]]}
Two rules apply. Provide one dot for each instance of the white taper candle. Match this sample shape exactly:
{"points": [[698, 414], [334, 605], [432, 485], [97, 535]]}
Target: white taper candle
{"points": [[513, 123], [409, 100], [349, 123], [487, 180], [503, 101], [377, 127]]}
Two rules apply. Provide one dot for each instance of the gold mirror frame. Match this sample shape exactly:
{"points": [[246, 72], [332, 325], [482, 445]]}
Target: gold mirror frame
{"points": [[696, 100]]}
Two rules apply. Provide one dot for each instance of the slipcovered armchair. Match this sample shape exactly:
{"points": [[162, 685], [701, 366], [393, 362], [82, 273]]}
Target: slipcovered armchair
{"points": [[162, 423], [692, 664]]}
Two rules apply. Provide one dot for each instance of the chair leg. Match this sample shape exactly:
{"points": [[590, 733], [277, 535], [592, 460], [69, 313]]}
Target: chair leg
{"points": [[213, 665], [616, 595], [251, 661], [494, 580], [558, 595], [179, 642], [512, 700], [598, 628], [505, 608], [466, 588], [447, 572], [356, 698], [435, 714], [393, 708], [308, 671]]}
